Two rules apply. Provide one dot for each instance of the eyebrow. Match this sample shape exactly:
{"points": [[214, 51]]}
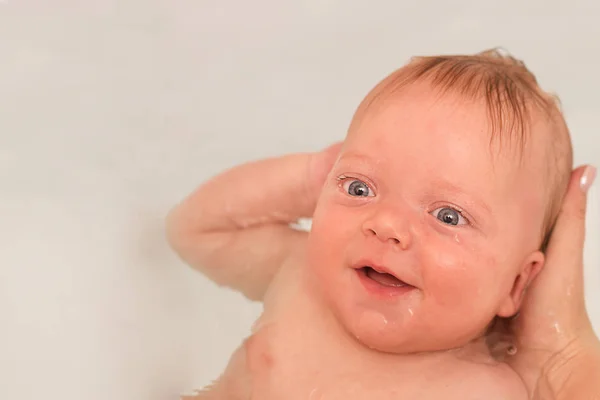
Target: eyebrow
{"points": [[455, 189]]}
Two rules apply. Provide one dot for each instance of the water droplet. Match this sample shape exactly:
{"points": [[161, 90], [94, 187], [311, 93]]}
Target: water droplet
{"points": [[557, 327], [370, 320]]}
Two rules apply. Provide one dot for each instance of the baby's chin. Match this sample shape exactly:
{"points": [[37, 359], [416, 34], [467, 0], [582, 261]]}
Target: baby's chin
{"points": [[399, 334], [389, 342], [385, 333]]}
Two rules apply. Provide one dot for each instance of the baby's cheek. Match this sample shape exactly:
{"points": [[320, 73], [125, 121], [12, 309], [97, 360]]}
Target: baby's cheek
{"points": [[328, 237], [335, 222], [458, 273], [448, 272]]}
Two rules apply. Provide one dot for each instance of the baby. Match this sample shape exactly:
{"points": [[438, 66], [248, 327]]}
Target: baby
{"points": [[429, 222]]}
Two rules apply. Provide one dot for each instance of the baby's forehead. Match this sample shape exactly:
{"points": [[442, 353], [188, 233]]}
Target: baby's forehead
{"points": [[420, 115], [423, 109]]}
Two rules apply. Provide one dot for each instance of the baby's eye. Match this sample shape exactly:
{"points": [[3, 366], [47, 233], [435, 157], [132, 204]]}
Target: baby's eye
{"points": [[357, 188], [449, 216]]}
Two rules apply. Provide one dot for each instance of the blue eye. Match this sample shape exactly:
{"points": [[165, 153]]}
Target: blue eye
{"points": [[449, 216], [357, 188]]}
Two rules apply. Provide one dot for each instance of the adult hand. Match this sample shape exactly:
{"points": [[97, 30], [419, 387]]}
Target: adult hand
{"points": [[556, 351]]}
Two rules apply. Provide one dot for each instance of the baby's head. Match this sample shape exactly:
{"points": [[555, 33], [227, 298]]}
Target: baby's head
{"points": [[434, 218]]}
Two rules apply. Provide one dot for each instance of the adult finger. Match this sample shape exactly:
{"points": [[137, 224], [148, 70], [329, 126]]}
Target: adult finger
{"points": [[565, 249]]}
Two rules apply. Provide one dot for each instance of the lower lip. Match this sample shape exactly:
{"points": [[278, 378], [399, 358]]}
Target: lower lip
{"points": [[378, 289]]}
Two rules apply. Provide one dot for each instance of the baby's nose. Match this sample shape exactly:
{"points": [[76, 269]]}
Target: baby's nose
{"points": [[388, 229]]}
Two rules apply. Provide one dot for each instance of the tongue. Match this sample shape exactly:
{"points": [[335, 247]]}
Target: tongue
{"points": [[384, 279]]}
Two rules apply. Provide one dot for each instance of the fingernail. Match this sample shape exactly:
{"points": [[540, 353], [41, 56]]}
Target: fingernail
{"points": [[587, 178]]}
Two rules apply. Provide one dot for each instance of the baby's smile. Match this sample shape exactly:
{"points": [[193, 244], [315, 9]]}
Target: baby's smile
{"points": [[379, 281]]}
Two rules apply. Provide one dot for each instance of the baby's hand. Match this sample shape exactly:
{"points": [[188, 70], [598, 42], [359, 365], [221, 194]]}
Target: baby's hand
{"points": [[319, 167]]}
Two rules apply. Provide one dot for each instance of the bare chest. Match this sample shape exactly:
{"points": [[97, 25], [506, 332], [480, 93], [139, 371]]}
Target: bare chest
{"points": [[292, 365]]}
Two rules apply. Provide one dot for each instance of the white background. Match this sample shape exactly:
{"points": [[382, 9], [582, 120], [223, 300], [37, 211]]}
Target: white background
{"points": [[112, 111]]}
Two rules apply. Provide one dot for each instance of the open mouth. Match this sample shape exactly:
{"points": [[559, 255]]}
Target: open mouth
{"points": [[382, 278]]}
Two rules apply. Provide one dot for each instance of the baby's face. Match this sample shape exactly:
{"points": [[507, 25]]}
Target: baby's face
{"points": [[421, 236]]}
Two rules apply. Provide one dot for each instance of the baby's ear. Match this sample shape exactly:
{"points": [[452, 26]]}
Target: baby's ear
{"points": [[529, 270]]}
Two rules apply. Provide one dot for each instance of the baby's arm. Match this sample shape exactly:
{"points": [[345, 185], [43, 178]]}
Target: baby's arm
{"points": [[235, 227]]}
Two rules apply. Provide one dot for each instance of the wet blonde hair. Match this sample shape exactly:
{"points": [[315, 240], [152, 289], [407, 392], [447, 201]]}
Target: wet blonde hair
{"points": [[513, 98]]}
